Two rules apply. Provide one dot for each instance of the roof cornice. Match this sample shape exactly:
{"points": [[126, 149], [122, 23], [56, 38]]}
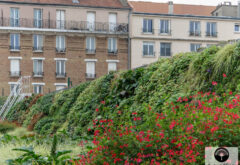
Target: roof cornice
{"points": [[66, 5]]}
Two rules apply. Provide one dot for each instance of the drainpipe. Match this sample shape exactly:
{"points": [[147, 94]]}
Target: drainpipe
{"points": [[129, 40]]}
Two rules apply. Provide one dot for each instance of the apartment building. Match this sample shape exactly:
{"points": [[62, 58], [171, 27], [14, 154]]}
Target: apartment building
{"points": [[57, 42], [161, 30]]}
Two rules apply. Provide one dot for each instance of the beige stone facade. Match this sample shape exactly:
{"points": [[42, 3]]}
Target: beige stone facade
{"points": [[75, 55]]}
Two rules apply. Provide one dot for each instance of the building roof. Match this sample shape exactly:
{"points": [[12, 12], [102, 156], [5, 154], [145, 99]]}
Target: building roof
{"points": [[89, 3], [179, 9]]}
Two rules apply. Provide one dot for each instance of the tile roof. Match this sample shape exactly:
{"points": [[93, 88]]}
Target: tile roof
{"points": [[179, 9], [93, 3]]}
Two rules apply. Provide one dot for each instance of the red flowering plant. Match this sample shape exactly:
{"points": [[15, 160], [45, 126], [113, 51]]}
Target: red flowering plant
{"points": [[177, 134]]}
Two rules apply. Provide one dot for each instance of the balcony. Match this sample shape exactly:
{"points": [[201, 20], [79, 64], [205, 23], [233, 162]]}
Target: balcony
{"points": [[61, 75], [195, 33], [38, 49], [90, 51], [38, 74], [61, 50], [112, 52], [15, 73], [83, 26], [14, 48], [90, 76]]}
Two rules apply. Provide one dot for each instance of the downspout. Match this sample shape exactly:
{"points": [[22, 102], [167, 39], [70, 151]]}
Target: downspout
{"points": [[129, 40]]}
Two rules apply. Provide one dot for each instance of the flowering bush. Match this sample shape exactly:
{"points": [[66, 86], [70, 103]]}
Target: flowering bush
{"points": [[177, 134]]}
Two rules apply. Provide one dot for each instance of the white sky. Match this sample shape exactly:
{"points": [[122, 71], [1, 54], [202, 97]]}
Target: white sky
{"points": [[197, 2]]}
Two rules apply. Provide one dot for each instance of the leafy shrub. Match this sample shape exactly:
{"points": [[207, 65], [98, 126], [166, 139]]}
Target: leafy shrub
{"points": [[177, 135], [6, 127]]}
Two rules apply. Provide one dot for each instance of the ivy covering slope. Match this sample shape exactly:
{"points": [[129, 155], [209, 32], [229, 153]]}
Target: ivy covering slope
{"points": [[165, 80]]}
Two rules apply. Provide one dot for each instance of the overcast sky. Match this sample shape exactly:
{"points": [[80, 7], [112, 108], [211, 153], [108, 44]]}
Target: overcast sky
{"points": [[198, 2]]}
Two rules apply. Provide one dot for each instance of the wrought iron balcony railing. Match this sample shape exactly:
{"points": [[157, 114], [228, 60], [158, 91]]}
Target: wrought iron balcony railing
{"points": [[15, 73], [61, 75], [38, 48], [211, 34], [38, 74], [67, 25], [112, 52], [14, 48], [60, 50], [90, 76], [195, 33], [90, 51]]}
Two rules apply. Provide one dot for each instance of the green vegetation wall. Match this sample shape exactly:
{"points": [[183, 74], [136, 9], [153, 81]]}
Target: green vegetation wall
{"points": [[163, 81]]}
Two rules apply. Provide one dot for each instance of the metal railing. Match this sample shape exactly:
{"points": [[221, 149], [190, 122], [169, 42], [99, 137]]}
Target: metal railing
{"points": [[15, 73], [38, 74], [60, 50], [38, 48], [90, 76], [14, 48], [61, 75], [194, 33], [148, 31], [90, 51], [67, 25], [112, 52], [211, 34]]}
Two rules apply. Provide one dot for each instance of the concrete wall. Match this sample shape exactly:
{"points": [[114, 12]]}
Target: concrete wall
{"points": [[71, 13], [179, 38]]}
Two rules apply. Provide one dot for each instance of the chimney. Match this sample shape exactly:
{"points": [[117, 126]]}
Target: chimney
{"points": [[238, 9], [124, 3], [170, 7]]}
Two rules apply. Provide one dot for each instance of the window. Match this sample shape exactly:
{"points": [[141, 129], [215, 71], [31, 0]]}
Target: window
{"points": [[148, 49], [60, 19], [37, 42], [38, 18], [112, 45], [15, 68], [38, 89], [91, 21], [60, 44], [147, 26], [112, 66], [195, 47], [14, 88], [37, 68], [15, 42], [60, 87], [112, 21], [60, 68], [237, 28], [195, 28], [165, 49], [211, 29], [14, 17], [90, 71], [90, 45], [164, 27]]}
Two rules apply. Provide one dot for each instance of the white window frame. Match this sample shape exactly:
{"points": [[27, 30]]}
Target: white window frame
{"points": [[60, 43], [15, 72], [164, 26], [91, 23], [62, 67], [236, 24], [60, 19], [148, 31], [38, 85], [38, 73], [195, 32], [15, 47], [148, 44], [14, 17], [112, 24], [111, 45], [38, 18], [165, 55], [92, 47], [38, 46], [211, 34], [112, 62], [196, 47]]}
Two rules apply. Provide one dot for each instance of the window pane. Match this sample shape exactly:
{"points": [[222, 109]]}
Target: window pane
{"points": [[149, 25]]}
